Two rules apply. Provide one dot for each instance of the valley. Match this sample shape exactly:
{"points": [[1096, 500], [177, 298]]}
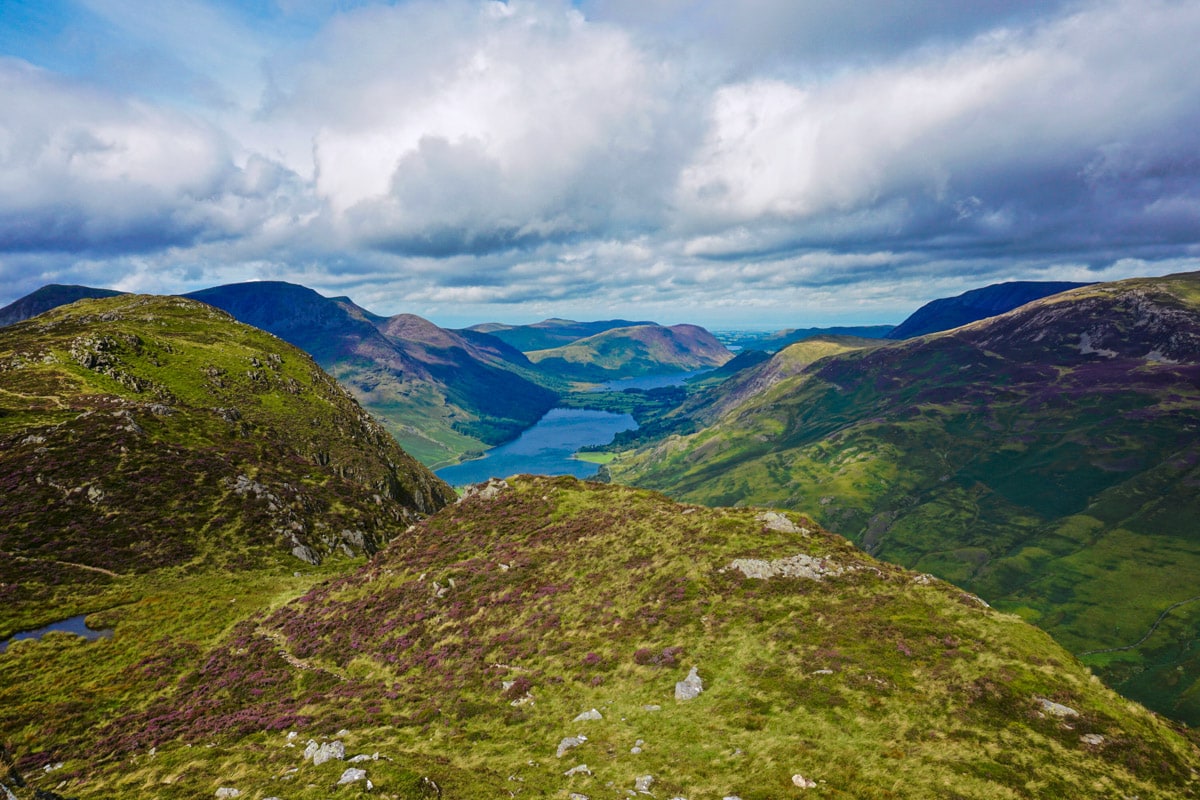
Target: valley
{"points": [[268, 568]]}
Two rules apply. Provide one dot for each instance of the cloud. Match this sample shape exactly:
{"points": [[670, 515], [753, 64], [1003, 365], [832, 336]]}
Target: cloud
{"points": [[465, 127], [999, 141], [754, 159]]}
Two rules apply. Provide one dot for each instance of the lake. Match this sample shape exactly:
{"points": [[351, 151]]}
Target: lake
{"points": [[544, 449], [73, 625], [652, 381]]}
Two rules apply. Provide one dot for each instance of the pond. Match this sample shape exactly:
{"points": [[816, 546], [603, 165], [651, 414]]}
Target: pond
{"points": [[544, 449], [73, 625]]}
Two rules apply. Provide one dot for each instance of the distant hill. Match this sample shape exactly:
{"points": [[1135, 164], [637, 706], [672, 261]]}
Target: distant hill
{"points": [[550, 333], [1047, 458], [632, 352], [140, 434], [777, 340], [548, 637], [952, 312], [441, 393], [50, 296]]}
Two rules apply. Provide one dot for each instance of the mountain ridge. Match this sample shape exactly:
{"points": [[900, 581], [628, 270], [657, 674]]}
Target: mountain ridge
{"points": [[1045, 458]]}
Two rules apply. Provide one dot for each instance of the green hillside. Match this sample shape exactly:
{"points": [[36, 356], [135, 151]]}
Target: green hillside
{"points": [[633, 352], [146, 435], [1047, 459], [550, 333], [537, 640]]}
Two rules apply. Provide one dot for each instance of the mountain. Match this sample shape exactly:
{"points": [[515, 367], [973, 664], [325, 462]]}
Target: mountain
{"points": [[546, 637], [441, 393], [50, 296], [773, 342], [550, 333], [632, 352], [141, 435], [952, 312], [1047, 459]]}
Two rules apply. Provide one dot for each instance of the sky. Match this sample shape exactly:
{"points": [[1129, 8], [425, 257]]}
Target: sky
{"points": [[764, 163]]}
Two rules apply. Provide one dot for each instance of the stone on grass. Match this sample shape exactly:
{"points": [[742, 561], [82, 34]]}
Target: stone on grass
{"points": [[802, 782], [690, 687], [578, 769], [570, 742], [228, 792], [326, 751], [1056, 709], [643, 783], [351, 775], [588, 715]]}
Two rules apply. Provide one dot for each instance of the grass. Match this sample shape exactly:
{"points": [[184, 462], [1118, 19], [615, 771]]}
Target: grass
{"points": [[872, 683]]}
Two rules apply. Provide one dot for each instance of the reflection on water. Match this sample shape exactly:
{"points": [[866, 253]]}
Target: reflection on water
{"points": [[544, 449], [73, 625]]}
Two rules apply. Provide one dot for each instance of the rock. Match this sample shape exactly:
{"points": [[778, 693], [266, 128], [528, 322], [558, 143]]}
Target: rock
{"points": [[802, 782], [797, 566], [485, 491], [569, 743], [588, 715], [358, 759], [690, 687], [579, 769], [1092, 739], [652, 708], [320, 753], [351, 775], [774, 521], [577, 796], [228, 791], [643, 783], [1056, 709]]}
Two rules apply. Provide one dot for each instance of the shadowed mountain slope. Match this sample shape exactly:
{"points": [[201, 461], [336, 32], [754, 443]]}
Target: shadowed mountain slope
{"points": [[952, 312], [1048, 459], [145, 433], [50, 296]]}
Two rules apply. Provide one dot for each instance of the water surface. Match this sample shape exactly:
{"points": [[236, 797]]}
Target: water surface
{"points": [[544, 449], [73, 625], [652, 381]]}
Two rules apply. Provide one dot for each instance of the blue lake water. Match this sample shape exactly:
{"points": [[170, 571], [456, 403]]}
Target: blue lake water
{"points": [[544, 449], [652, 381], [73, 625]]}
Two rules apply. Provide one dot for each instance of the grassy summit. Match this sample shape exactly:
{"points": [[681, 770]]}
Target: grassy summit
{"points": [[139, 434], [465, 652], [1048, 459]]}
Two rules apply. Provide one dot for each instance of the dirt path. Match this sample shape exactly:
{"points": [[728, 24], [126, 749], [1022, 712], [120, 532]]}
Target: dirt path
{"points": [[1149, 633]]}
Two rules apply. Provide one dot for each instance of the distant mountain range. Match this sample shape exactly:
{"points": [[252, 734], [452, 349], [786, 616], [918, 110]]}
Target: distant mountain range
{"points": [[50, 296], [1047, 458], [777, 340], [633, 352], [953, 312], [550, 333]]}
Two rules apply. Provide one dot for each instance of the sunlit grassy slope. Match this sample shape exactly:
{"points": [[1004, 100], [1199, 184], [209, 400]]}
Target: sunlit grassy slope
{"points": [[146, 433], [1048, 459], [459, 658]]}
